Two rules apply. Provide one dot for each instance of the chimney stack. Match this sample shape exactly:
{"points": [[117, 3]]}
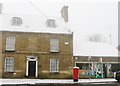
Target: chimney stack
{"points": [[64, 13], [0, 8]]}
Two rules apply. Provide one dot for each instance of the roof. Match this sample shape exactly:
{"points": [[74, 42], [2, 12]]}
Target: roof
{"points": [[34, 23], [94, 49]]}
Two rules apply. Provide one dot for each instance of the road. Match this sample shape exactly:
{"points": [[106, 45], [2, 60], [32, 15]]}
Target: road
{"points": [[73, 84], [59, 82], [101, 84]]}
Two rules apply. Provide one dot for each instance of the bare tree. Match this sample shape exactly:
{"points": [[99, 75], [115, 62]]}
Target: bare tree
{"points": [[96, 38]]}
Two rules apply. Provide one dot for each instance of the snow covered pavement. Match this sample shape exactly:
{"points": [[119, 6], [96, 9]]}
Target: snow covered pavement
{"points": [[54, 81]]}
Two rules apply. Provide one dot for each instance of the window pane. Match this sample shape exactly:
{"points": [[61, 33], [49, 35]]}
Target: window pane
{"points": [[54, 65], [10, 43], [9, 64], [54, 45]]}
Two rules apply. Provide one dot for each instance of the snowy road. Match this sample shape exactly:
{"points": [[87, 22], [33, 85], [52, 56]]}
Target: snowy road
{"points": [[56, 81]]}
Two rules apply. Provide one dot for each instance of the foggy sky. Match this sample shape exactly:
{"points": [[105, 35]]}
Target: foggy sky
{"points": [[86, 17]]}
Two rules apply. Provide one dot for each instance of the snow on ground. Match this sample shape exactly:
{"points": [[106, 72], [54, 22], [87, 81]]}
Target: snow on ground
{"points": [[55, 81]]}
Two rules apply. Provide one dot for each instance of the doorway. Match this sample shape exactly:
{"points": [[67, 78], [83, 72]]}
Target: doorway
{"points": [[31, 68]]}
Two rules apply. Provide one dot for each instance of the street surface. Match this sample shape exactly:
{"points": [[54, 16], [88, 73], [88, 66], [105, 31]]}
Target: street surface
{"points": [[58, 82]]}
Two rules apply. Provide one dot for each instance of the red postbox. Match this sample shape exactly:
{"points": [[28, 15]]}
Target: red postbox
{"points": [[75, 73]]}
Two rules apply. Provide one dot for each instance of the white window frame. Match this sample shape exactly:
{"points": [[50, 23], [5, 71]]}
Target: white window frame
{"points": [[10, 43], [9, 64], [54, 45], [56, 66]]}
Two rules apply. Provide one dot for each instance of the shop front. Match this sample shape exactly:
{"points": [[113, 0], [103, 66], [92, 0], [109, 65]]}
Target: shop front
{"points": [[95, 70], [85, 70]]}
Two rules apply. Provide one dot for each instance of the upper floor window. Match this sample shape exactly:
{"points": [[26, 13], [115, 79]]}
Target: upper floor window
{"points": [[51, 23], [9, 64], [54, 45], [17, 21], [10, 43], [54, 65]]}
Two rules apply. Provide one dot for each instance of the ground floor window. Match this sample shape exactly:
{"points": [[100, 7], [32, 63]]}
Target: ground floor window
{"points": [[99, 70], [115, 67], [109, 69], [85, 68], [54, 65], [9, 64]]}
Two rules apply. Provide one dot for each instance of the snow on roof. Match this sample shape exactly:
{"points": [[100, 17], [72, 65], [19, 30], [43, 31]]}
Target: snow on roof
{"points": [[94, 49], [34, 23]]}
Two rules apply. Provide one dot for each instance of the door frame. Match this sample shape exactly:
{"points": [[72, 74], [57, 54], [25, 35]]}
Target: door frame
{"points": [[32, 58]]}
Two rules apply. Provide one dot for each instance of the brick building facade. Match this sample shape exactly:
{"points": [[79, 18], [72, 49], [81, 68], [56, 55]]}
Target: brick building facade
{"points": [[36, 55]]}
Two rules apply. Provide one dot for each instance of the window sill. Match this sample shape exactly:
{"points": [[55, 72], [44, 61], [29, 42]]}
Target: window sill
{"points": [[54, 52], [8, 71], [54, 72], [9, 50]]}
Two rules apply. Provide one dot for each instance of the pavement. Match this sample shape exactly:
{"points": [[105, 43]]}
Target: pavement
{"points": [[52, 81]]}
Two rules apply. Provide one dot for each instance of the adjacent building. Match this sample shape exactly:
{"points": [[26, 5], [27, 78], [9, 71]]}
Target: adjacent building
{"points": [[100, 60]]}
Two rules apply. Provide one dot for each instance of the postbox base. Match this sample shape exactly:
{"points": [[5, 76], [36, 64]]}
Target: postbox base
{"points": [[75, 80]]}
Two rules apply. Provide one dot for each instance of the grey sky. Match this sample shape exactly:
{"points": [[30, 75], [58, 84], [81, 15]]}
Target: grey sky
{"points": [[86, 17]]}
